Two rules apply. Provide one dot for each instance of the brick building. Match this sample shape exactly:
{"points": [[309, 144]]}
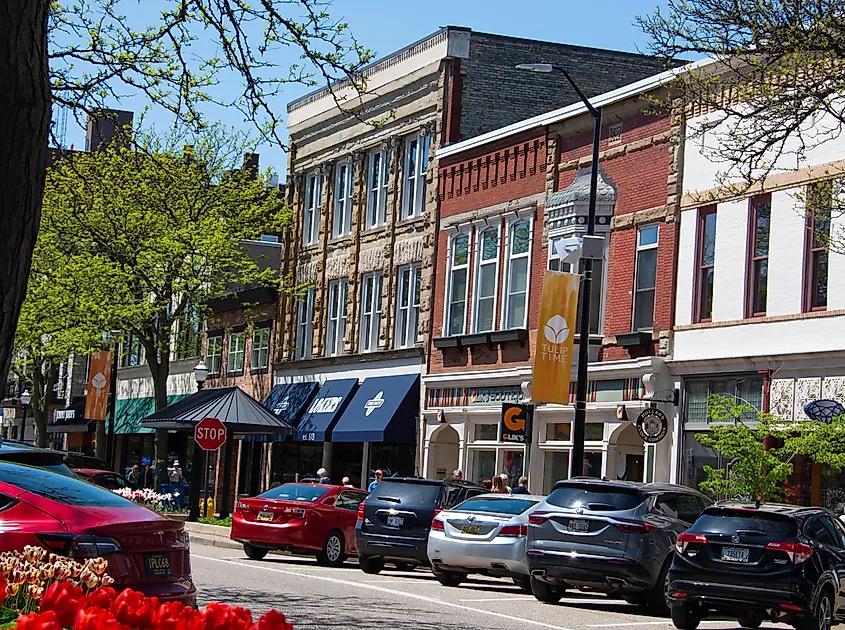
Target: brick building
{"points": [[365, 207], [505, 198]]}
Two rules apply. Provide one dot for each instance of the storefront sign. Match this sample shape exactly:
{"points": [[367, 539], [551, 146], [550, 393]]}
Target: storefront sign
{"points": [[652, 425], [97, 394], [555, 342], [515, 424], [469, 396]]}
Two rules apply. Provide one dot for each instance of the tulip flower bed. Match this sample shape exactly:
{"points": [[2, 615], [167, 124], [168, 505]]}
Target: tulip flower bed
{"points": [[149, 498], [44, 592]]}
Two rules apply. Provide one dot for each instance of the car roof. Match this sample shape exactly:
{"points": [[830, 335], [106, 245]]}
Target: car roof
{"points": [[636, 485], [94, 471], [432, 482], [770, 508], [9, 446], [501, 495]]}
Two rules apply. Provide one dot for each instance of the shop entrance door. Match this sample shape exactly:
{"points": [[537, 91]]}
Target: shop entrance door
{"points": [[445, 458]]}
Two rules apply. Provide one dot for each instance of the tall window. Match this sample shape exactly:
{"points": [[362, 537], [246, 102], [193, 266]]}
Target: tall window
{"points": [[645, 279], [132, 352], [370, 311], [706, 256], [519, 264], [457, 302], [337, 318], [237, 344], [819, 204], [555, 263], [344, 186], [408, 307], [596, 296], [260, 349], [758, 255], [416, 165], [214, 354], [311, 210], [378, 170], [304, 325], [487, 280]]}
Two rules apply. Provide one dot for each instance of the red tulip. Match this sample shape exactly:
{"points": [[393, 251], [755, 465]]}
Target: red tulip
{"points": [[65, 599], [96, 619], [272, 620], [132, 609], [39, 621], [102, 597], [223, 617]]}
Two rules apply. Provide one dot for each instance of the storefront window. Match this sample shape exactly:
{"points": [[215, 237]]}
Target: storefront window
{"points": [[746, 391], [558, 431], [290, 459], [592, 464], [556, 467], [696, 457], [489, 432], [399, 459], [483, 465], [594, 431], [513, 465]]}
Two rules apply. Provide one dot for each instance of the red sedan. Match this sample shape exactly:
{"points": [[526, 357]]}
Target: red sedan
{"points": [[299, 517], [145, 551]]}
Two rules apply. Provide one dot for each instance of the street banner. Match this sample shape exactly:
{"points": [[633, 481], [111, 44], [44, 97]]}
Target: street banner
{"points": [[556, 338], [99, 378], [515, 423]]}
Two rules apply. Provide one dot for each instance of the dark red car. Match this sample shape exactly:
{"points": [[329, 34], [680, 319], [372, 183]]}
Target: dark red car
{"points": [[104, 478], [302, 518], [145, 551]]}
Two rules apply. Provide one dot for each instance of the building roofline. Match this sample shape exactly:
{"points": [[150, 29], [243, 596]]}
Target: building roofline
{"points": [[571, 111]]}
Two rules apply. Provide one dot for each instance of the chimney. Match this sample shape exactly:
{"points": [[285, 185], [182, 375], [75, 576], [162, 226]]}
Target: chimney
{"points": [[104, 126], [251, 162]]}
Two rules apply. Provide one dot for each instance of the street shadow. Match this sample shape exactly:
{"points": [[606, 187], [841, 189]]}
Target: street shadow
{"points": [[298, 561]]}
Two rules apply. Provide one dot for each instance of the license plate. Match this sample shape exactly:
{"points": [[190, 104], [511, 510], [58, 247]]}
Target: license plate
{"points": [[734, 554], [158, 564], [578, 526], [395, 521], [470, 529], [266, 517]]}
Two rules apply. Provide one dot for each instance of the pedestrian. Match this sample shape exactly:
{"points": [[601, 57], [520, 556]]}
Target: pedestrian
{"points": [[374, 484], [487, 484], [498, 485], [275, 484], [134, 475], [323, 477], [176, 475], [148, 480], [505, 481], [347, 483], [458, 474], [522, 488]]}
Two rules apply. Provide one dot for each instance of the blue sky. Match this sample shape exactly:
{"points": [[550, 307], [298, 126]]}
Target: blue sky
{"points": [[387, 25]]}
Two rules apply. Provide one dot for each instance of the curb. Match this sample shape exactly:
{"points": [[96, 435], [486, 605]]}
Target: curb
{"points": [[214, 541]]}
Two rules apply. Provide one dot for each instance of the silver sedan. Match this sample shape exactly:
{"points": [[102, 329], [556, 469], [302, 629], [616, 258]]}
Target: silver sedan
{"points": [[485, 534]]}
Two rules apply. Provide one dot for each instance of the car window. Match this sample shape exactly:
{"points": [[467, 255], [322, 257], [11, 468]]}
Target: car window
{"points": [[349, 500], [407, 493], [820, 531], [111, 482], [295, 492], [689, 508], [596, 497], [728, 521], [669, 504], [839, 528], [453, 496], [57, 487], [495, 505]]}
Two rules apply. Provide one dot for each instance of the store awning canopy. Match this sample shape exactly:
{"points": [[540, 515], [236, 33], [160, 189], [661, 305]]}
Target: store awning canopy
{"points": [[240, 413], [71, 419], [129, 412], [288, 402], [322, 414], [384, 409]]}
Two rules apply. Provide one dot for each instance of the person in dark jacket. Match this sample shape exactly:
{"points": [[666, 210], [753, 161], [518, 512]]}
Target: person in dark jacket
{"points": [[522, 487]]}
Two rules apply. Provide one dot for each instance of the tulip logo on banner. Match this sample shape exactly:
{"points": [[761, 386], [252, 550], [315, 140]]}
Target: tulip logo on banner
{"points": [[99, 377], [553, 353]]}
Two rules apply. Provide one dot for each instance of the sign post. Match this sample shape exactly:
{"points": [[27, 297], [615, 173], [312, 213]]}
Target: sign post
{"points": [[209, 435]]}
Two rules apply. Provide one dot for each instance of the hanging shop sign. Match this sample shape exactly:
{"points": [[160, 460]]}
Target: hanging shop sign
{"points": [[652, 425], [97, 392], [556, 340], [515, 423]]}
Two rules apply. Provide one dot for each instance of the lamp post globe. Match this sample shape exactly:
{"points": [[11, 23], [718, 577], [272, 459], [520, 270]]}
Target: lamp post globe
{"points": [[201, 374], [26, 398]]}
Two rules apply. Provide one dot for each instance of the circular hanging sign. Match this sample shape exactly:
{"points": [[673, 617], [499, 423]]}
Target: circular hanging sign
{"points": [[652, 425]]}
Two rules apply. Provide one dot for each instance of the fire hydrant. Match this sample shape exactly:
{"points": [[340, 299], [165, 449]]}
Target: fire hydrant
{"points": [[209, 507]]}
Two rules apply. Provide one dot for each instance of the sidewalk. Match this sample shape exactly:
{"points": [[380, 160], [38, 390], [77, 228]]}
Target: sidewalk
{"points": [[211, 535]]}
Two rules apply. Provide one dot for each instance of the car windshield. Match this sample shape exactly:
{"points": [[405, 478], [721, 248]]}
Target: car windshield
{"points": [[596, 497], [722, 521], [295, 492], [494, 505], [61, 488], [408, 493]]}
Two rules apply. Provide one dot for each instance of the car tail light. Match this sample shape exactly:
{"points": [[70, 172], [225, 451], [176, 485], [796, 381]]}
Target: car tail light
{"points": [[634, 527], [797, 552], [514, 531], [436, 525], [361, 511], [686, 538], [437, 511], [678, 595], [80, 546], [538, 518], [791, 607], [242, 506]]}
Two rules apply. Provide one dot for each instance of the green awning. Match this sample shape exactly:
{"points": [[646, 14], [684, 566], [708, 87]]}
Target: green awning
{"points": [[130, 411]]}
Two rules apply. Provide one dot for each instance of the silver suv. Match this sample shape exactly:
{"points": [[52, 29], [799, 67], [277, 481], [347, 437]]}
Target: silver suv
{"points": [[612, 536]]}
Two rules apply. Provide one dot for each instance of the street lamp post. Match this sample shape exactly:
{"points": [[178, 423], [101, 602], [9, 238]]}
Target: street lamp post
{"points": [[198, 471], [577, 464], [26, 398]]}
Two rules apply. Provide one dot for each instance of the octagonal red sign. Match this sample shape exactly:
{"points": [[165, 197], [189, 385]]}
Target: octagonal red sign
{"points": [[210, 434]]}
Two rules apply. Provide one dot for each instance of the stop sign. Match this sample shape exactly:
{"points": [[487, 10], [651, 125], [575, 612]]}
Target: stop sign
{"points": [[210, 434]]}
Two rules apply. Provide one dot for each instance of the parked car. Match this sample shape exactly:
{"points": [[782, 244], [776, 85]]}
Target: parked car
{"points": [[299, 517], [485, 534], [760, 562], [79, 460], [394, 521], [612, 536], [23, 453], [145, 551], [104, 478]]}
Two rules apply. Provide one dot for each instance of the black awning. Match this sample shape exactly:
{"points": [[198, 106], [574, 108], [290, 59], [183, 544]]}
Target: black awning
{"points": [[328, 405], [288, 402], [385, 409], [71, 419]]}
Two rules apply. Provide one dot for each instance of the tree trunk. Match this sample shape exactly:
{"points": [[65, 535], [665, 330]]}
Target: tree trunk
{"points": [[44, 375], [159, 370], [24, 125]]}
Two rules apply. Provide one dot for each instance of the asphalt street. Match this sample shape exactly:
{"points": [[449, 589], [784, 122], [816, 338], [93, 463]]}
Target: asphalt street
{"points": [[315, 597]]}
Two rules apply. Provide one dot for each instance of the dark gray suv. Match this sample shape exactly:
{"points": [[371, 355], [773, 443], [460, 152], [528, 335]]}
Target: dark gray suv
{"points": [[612, 536]]}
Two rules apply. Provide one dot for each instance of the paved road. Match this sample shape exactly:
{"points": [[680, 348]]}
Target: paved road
{"points": [[317, 597]]}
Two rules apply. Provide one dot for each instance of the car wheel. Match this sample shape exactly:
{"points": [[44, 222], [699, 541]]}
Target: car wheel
{"points": [[524, 583], [685, 618], [822, 618], [656, 599], [404, 566], [371, 564], [450, 578], [750, 621], [332, 554], [255, 553], [545, 592]]}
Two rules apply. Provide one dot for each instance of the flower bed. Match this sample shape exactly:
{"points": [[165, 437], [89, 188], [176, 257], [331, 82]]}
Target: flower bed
{"points": [[150, 498]]}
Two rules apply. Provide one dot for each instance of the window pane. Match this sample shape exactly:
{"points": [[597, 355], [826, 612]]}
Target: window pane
{"points": [[487, 281], [647, 269], [461, 245], [594, 431], [648, 235], [456, 310], [483, 465], [706, 309], [519, 275], [490, 245], [760, 286], [558, 431], [819, 279], [708, 239], [697, 392], [592, 464], [521, 237], [487, 432], [644, 310], [516, 311], [762, 213], [556, 469]]}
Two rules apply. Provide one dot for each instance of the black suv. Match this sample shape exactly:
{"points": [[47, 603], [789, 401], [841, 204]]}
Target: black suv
{"points": [[760, 562], [23, 453], [393, 521], [617, 537]]}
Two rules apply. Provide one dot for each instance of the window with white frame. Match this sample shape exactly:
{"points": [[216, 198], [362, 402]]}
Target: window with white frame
{"points": [[370, 311], [260, 349], [344, 186], [408, 306], [416, 165], [555, 263], [456, 303], [645, 277], [378, 170], [486, 279], [304, 325], [235, 361], [311, 208], [337, 317], [518, 271], [214, 354]]}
